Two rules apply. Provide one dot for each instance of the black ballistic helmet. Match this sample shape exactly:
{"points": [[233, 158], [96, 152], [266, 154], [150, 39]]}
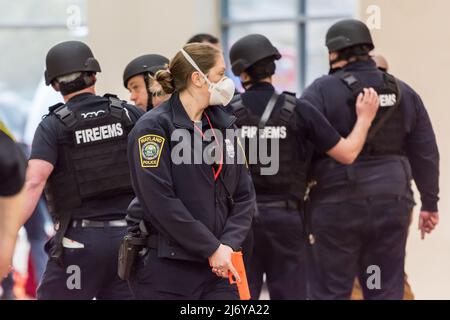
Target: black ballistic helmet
{"points": [[250, 49], [147, 63], [348, 33], [69, 57]]}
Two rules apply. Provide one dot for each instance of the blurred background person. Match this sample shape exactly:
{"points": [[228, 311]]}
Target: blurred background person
{"points": [[138, 78], [381, 62], [206, 38]]}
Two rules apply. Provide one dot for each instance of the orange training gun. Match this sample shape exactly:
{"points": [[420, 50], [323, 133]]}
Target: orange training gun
{"points": [[238, 263]]}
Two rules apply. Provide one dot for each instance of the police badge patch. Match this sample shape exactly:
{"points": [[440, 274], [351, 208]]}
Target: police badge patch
{"points": [[150, 147]]}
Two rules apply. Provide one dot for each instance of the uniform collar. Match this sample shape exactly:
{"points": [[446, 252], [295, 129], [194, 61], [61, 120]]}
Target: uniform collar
{"points": [[219, 118], [361, 65], [261, 86], [79, 97]]}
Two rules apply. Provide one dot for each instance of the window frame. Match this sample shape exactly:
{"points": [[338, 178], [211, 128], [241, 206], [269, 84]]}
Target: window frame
{"points": [[301, 20]]}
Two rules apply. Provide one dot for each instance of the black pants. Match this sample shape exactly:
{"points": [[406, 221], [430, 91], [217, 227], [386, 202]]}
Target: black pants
{"points": [[169, 279], [361, 238], [279, 253], [95, 264]]}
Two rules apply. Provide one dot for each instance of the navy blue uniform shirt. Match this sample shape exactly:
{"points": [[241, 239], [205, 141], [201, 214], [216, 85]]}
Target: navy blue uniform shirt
{"points": [[329, 95], [45, 147], [184, 202]]}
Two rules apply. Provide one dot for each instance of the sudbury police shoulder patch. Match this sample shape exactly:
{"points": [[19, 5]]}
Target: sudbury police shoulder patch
{"points": [[150, 147]]}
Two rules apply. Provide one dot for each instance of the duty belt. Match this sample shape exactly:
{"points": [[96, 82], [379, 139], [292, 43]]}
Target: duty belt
{"points": [[83, 223], [150, 241]]}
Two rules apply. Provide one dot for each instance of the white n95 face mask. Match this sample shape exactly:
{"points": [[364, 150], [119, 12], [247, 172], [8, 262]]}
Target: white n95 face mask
{"points": [[221, 92]]}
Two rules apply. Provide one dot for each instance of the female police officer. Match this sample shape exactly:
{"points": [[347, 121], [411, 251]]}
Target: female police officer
{"points": [[197, 213]]}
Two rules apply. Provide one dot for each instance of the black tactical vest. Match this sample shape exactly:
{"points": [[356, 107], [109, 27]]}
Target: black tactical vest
{"points": [[387, 134], [92, 157], [290, 180]]}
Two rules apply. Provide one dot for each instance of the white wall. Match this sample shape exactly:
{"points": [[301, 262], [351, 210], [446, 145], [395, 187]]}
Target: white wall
{"points": [[119, 31]]}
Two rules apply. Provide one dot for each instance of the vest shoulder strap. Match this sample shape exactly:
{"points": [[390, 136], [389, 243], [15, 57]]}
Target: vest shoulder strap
{"points": [[117, 109], [238, 108], [268, 110], [55, 106], [52, 109], [65, 115], [350, 81], [287, 110], [290, 93], [110, 95]]}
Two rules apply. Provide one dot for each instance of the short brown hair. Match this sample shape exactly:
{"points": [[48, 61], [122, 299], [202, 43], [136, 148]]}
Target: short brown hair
{"points": [[177, 76]]}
